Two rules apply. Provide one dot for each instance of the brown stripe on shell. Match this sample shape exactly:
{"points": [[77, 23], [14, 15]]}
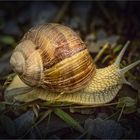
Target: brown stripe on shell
{"points": [[70, 74], [59, 45], [59, 48], [54, 42], [74, 63]]}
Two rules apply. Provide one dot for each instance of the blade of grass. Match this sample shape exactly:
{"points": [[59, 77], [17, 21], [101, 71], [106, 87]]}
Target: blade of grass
{"points": [[68, 119], [43, 117], [62, 12], [35, 110], [39, 121], [120, 115]]}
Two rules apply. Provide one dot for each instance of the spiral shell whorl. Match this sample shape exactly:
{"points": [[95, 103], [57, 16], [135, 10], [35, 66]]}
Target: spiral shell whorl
{"points": [[27, 63], [56, 59]]}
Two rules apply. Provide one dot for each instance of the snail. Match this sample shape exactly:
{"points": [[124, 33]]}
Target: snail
{"points": [[54, 61]]}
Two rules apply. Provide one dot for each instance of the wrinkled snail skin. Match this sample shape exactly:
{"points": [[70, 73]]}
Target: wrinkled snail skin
{"points": [[102, 89], [56, 63]]}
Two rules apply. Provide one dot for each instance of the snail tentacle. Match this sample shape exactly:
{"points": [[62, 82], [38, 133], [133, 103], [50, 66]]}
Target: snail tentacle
{"points": [[127, 68], [119, 57]]}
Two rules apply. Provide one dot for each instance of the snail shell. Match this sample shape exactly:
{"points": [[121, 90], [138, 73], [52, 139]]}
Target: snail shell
{"points": [[52, 56]]}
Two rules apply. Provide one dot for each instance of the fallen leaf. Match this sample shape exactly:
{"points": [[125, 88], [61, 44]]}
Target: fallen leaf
{"points": [[128, 101], [130, 104], [104, 129], [24, 122]]}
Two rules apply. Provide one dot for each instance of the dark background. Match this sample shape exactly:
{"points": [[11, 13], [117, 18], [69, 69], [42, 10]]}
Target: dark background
{"points": [[97, 22]]}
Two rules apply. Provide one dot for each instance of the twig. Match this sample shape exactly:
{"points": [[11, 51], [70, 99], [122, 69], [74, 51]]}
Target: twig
{"points": [[97, 57], [62, 12], [91, 106], [43, 117], [104, 11], [121, 112], [132, 52], [112, 115]]}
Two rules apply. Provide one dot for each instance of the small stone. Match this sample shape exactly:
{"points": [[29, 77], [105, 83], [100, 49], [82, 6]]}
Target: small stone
{"points": [[104, 129]]}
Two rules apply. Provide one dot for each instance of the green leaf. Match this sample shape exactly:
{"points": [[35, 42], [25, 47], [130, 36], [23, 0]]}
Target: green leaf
{"points": [[128, 101], [129, 110], [8, 125], [117, 48], [130, 105], [8, 40], [68, 119]]}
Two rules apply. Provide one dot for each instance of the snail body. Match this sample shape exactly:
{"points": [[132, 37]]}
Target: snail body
{"points": [[54, 61]]}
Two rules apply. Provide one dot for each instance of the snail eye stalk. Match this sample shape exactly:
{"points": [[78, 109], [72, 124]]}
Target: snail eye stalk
{"points": [[119, 58], [127, 68]]}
